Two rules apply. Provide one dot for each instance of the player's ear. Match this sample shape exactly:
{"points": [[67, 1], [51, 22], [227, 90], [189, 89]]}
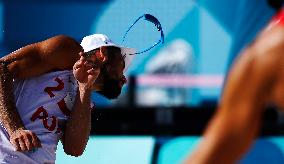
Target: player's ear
{"points": [[103, 50]]}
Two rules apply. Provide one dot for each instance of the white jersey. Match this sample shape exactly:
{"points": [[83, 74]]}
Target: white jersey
{"points": [[44, 104]]}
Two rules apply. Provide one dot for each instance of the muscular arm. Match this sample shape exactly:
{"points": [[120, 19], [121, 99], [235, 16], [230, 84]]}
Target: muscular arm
{"points": [[249, 88], [29, 61], [12, 121], [78, 125], [57, 53]]}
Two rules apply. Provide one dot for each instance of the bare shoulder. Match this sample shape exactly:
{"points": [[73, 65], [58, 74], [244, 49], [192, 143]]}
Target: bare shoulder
{"points": [[56, 53], [270, 43], [255, 73], [61, 51], [268, 50], [61, 42]]}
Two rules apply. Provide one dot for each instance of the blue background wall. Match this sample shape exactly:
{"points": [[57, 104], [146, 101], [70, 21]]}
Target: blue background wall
{"points": [[215, 31]]}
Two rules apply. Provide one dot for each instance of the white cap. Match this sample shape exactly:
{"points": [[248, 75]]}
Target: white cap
{"points": [[95, 41]]}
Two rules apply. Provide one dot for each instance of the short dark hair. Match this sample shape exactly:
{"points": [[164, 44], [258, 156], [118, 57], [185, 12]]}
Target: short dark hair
{"points": [[111, 51]]}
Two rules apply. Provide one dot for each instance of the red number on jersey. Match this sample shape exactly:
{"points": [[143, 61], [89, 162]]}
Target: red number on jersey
{"points": [[59, 87]]}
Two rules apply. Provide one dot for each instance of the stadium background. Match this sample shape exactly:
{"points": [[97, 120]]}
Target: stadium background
{"points": [[173, 89]]}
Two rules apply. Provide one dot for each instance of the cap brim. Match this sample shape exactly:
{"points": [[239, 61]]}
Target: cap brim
{"points": [[129, 54]]}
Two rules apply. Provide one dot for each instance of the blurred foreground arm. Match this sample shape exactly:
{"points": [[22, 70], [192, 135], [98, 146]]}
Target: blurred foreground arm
{"points": [[253, 82]]}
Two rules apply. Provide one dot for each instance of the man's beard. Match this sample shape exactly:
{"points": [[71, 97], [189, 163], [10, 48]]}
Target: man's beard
{"points": [[111, 87]]}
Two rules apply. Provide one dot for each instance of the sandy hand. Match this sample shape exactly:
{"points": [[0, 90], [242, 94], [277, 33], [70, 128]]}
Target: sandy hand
{"points": [[24, 140], [86, 71]]}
